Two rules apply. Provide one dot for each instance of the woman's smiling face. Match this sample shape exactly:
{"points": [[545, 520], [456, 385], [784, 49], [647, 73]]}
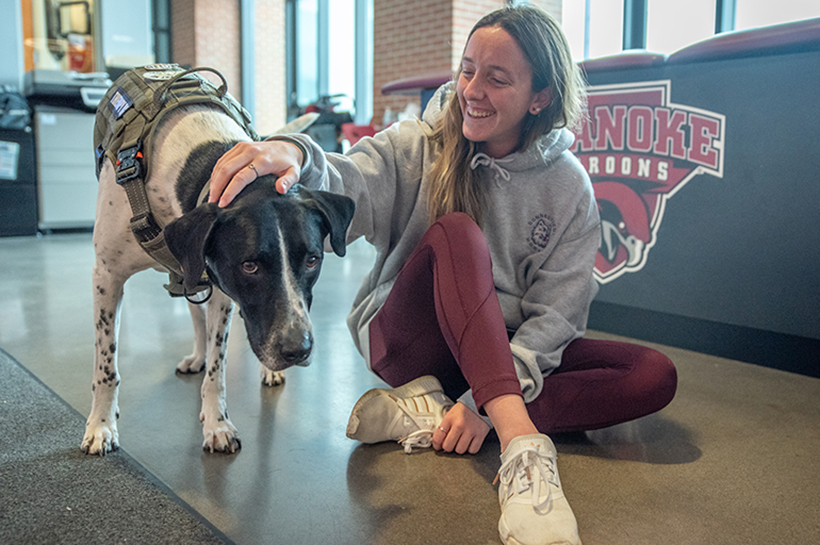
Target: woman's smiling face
{"points": [[495, 91]]}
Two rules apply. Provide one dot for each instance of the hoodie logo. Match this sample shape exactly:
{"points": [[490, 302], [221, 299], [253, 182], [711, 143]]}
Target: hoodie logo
{"points": [[541, 229], [639, 150]]}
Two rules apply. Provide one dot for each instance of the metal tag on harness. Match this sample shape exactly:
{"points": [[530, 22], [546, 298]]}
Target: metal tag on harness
{"points": [[161, 76], [162, 66]]}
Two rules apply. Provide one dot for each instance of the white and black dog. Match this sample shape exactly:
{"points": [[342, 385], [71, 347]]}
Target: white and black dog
{"points": [[264, 252]]}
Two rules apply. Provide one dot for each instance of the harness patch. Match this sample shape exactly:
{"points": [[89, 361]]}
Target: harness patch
{"points": [[161, 76], [120, 102], [161, 66]]}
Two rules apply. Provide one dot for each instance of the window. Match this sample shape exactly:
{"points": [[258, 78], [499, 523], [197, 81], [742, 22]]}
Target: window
{"points": [[330, 53], [341, 69], [594, 28], [755, 13], [306, 53], [673, 25]]}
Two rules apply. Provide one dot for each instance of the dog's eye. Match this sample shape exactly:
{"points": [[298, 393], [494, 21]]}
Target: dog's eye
{"points": [[250, 267], [312, 262]]}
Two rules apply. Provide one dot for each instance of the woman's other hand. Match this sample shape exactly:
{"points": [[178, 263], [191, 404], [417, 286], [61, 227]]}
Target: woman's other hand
{"points": [[246, 161], [461, 430]]}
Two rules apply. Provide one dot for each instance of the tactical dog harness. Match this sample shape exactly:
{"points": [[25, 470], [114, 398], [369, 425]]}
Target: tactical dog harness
{"points": [[127, 117]]}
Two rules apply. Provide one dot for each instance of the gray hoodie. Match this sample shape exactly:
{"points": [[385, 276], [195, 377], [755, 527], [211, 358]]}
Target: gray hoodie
{"points": [[541, 225]]}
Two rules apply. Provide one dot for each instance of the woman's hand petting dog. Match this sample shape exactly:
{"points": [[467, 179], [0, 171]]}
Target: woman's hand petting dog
{"points": [[247, 161]]}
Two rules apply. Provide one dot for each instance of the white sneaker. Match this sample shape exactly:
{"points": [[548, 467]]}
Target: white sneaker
{"points": [[408, 414], [534, 510]]}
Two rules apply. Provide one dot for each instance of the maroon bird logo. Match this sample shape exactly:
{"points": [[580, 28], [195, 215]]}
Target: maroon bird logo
{"points": [[639, 150]]}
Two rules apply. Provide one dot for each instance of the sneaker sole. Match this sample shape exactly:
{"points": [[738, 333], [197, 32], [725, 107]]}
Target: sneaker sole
{"points": [[507, 539], [415, 388]]}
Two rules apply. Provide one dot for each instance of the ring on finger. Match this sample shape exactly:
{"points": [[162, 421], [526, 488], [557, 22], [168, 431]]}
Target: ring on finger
{"points": [[250, 166]]}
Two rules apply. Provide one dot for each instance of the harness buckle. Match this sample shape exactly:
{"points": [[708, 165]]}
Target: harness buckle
{"points": [[129, 163], [145, 227]]}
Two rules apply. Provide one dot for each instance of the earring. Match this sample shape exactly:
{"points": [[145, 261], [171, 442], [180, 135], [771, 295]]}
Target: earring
{"points": [[536, 110]]}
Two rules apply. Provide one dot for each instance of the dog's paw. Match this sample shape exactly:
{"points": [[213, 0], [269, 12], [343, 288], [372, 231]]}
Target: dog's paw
{"points": [[223, 437], [100, 439], [191, 365], [272, 378]]}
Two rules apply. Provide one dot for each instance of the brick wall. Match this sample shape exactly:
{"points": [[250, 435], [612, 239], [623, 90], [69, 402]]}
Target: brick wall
{"points": [[218, 40], [206, 33], [271, 103], [409, 39], [183, 31]]}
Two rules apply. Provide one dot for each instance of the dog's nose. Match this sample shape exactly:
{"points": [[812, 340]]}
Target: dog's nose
{"points": [[296, 348]]}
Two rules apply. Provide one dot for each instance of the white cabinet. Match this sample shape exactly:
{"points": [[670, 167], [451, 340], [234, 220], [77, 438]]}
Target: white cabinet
{"points": [[66, 177]]}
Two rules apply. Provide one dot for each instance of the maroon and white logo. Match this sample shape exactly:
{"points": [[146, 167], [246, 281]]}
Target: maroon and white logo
{"points": [[640, 149]]}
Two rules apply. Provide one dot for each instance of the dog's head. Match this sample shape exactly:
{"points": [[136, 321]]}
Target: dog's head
{"points": [[265, 252]]}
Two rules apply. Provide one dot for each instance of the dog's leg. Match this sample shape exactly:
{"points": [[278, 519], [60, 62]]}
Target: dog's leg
{"points": [[101, 428], [272, 378], [195, 362], [218, 430]]}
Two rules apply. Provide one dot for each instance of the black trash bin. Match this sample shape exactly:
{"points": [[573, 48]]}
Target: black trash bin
{"points": [[18, 182]]}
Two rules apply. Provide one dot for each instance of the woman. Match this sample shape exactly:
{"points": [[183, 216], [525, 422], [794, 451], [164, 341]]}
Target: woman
{"points": [[486, 230]]}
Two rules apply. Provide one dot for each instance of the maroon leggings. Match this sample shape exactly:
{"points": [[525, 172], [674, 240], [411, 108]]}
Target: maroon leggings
{"points": [[443, 318]]}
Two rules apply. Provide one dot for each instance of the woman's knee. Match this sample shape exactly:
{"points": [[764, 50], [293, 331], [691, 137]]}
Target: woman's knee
{"points": [[657, 376], [642, 375], [456, 235], [459, 226]]}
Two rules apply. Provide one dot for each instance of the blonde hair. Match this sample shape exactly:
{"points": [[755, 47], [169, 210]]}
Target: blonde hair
{"points": [[453, 187]]}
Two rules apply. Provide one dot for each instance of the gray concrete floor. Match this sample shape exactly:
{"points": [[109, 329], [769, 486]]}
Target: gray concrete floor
{"points": [[734, 459]]}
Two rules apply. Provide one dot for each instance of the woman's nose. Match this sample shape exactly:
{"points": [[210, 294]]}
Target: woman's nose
{"points": [[474, 89]]}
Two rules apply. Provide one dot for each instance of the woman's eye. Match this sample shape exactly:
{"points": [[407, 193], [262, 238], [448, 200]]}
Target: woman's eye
{"points": [[312, 262], [250, 267]]}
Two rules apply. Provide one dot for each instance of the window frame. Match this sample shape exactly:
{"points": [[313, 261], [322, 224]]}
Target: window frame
{"points": [[161, 9]]}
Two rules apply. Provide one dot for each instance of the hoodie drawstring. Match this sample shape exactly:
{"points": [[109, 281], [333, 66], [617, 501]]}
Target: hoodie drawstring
{"points": [[482, 159]]}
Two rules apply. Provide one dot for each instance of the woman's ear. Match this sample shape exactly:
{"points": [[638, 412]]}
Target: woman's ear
{"points": [[541, 101]]}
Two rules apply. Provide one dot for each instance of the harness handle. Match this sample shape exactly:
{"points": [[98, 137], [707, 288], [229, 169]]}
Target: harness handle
{"points": [[159, 96]]}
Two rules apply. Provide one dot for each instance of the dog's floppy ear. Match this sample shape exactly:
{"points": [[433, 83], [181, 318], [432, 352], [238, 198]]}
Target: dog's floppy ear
{"points": [[337, 213], [187, 238]]}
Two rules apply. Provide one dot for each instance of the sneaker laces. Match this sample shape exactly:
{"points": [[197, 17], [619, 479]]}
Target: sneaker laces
{"points": [[516, 474], [421, 438], [417, 439]]}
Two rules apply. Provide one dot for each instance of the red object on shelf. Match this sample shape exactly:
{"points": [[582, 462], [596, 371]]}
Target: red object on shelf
{"points": [[353, 133]]}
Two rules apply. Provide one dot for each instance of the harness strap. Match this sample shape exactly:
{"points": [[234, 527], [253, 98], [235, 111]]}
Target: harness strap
{"points": [[130, 176], [176, 283]]}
